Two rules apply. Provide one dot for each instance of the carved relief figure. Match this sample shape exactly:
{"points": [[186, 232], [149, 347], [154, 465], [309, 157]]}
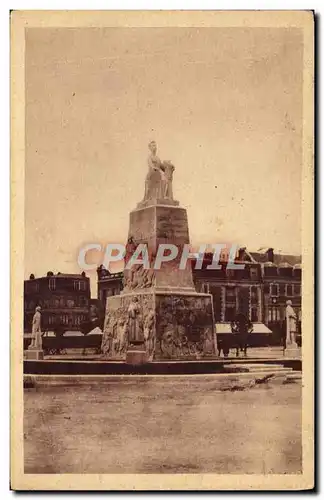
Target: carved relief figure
{"points": [[120, 340], [135, 321], [167, 341], [128, 273], [138, 277], [184, 328], [149, 334], [109, 333], [208, 341]]}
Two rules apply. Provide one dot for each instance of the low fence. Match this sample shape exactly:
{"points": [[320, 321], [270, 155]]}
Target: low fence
{"points": [[60, 344]]}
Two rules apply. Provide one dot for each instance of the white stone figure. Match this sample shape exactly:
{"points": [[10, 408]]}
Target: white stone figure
{"points": [[158, 182], [291, 325], [36, 342], [154, 161], [167, 180], [154, 175]]}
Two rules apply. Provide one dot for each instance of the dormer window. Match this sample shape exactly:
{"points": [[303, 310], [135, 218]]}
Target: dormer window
{"points": [[285, 269], [270, 269]]}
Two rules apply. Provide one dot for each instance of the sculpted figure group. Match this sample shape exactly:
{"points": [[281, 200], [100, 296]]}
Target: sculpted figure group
{"points": [[158, 182], [126, 326], [138, 277], [178, 318]]}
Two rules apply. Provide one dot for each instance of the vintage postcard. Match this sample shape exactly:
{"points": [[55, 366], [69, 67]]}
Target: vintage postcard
{"points": [[162, 312]]}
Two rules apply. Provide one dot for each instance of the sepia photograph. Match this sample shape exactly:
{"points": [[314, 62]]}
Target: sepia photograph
{"points": [[162, 321]]}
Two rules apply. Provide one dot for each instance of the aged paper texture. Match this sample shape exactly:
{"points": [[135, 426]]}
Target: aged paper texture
{"points": [[162, 304]]}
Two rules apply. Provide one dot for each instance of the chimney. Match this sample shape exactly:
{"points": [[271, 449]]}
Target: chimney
{"points": [[241, 253], [270, 256]]}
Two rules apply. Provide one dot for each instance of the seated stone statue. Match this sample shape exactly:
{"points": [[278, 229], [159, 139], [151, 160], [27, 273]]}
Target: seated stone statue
{"points": [[158, 182]]}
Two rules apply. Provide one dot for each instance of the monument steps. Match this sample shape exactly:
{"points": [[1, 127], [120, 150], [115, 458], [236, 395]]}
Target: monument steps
{"points": [[172, 367], [258, 367], [294, 376]]}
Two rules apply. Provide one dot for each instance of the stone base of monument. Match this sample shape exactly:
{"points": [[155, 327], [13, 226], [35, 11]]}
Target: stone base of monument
{"points": [[34, 354], [292, 352], [136, 354], [176, 325]]}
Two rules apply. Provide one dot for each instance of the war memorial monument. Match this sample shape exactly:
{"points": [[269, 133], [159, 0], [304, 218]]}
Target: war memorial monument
{"points": [[159, 314]]}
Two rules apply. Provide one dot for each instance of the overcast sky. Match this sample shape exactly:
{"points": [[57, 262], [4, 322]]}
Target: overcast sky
{"points": [[223, 104]]}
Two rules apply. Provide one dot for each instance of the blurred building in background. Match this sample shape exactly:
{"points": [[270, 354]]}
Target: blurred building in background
{"points": [[260, 290], [64, 301]]}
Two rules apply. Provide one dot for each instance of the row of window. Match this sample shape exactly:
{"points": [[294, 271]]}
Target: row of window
{"points": [[57, 302], [278, 314], [229, 300], [109, 292], [33, 286], [251, 273], [231, 292], [231, 311], [286, 290], [274, 289], [78, 285], [236, 273]]}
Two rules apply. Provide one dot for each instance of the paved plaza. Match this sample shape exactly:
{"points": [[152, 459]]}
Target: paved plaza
{"points": [[187, 424]]}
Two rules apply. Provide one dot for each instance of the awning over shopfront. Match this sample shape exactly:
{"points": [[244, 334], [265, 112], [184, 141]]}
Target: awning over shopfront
{"points": [[258, 328]]}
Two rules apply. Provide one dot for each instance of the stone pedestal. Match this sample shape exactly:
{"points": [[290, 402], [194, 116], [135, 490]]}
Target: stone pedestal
{"points": [[169, 325], [153, 226], [184, 325], [292, 351], [34, 354], [136, 355]]}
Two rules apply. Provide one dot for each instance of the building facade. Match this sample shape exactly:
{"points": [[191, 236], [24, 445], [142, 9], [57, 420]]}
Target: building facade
{"points": [[260, 290], [108, 284], [282, 281], [233, 290], [64, 299]]}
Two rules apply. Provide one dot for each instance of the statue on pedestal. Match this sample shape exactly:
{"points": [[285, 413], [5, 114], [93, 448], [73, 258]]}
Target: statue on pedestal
{"points": [[291, 326], [36, 342]]}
